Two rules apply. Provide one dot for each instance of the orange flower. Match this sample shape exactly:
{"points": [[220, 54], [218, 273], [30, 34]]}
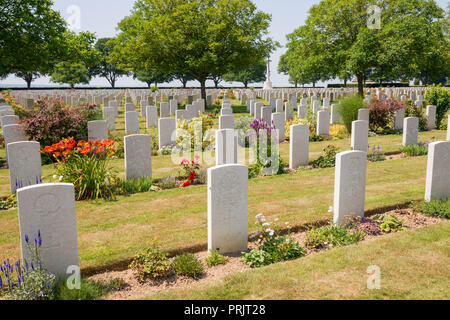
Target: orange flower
{"points": [[86, 150]]}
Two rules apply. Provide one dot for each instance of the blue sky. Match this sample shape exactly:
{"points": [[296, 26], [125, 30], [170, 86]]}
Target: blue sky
{"points": [[102, 16]]}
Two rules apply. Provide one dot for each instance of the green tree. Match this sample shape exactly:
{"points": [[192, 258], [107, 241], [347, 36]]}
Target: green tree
{"points": [[197, 37], [255, 72], [80, 49], [31, 38], [184, 78], [107, 67], [70, 73], [339, 39], [152, 76]]}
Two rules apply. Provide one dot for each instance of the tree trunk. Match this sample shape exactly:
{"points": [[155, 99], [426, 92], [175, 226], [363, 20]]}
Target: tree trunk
{"points": [[360, 79], [345, 83], [113, 83], [314, 84], [245, 84], [203, 87], [28, 83]]}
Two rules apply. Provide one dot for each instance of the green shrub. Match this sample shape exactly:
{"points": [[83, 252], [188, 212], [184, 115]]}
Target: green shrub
{"points": [[215, 258], [348, 109], [332, 236], [439, 97], [36, 285], [133, 186], [389, 224], [415, 150], [152, 263], [203, 176], [187, 265], [434, 208], [328, 158]]}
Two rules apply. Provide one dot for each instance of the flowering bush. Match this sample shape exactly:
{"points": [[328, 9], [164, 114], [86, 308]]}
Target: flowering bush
{"points": [[84, 165], [27, 280], [272, 247], [382, 113], [50, 121], [191, 170]]}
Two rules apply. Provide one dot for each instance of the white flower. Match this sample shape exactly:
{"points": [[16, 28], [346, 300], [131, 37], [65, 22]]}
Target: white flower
{"points": [[55, 176], [61, 178], [276, 220], [258, 216], [266, 224], [330, 209], [272, 233]]}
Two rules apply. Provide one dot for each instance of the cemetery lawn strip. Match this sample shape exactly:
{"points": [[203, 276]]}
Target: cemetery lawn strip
{"points": [[413, 263], [112, 232]]}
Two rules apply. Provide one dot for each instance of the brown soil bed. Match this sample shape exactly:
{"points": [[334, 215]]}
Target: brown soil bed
{"points": [[135, 290]]}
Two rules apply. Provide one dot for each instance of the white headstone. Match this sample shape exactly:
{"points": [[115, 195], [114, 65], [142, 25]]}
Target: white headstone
{"points": [[166, 132], [299, 146], [438, 171], [49, 209], [323, 122], [138, 156], [152, 117], [350, 185], [360, 135], [97, 130], [364, 114], [24, 161], [410, 130], [226, 147], [226, 122], [228, 208], [431, 117], [132, 122]]}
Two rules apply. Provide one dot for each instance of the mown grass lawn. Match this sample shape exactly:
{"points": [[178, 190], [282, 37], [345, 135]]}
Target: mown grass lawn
{"points": [[413, 264], [113, 231]]}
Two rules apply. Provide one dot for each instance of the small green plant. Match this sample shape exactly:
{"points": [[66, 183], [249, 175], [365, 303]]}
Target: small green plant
{"points": [[375, 155], [152, 263], [133, 186], [415, 150], [257, 258], [166, 150], [215, 258], [434, 208], [187, 265], [27, 280], [272, 247], [332, 236], [328, 158], [389, 224]]}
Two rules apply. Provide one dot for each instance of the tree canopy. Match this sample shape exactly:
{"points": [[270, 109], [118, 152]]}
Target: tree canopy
{"points": [[340, 40], [107, 67], [31, 38], [198, 38], [255, 72]]}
